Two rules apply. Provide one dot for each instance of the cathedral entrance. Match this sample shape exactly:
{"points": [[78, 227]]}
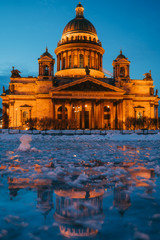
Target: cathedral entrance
{"points": [[86, 119]]}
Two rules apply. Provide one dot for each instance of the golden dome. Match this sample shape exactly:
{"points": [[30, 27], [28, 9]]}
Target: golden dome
{"points": [[79, 23]]}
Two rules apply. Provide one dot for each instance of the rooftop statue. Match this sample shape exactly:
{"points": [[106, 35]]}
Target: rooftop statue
{"points": [[87, 71], [148, 76], [4, 90], [15, 73]]}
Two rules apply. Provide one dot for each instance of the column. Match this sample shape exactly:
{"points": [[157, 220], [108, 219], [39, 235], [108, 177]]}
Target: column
{"points": [[72, 60], [90, 55], [94, 60], [85, 59], [62, 61], [157, 122], [21, 117], [58, 62], [11, 114], [66, 60], [72, 116], [54, 116], [112, 115], [101, 62], [4, 116], [98, 61], [92, 115], [102, 114], [78, 59], [83, 114], [99, 116], [63, 110], [116, 116], [135, 119], [123, 114]]}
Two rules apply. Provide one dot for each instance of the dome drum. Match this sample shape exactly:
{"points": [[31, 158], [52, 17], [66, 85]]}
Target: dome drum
{"points": [[79, 39], [73, 59]]}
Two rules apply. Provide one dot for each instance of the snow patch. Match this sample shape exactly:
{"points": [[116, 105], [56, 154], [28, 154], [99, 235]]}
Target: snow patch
{"points": [[25, 146]]}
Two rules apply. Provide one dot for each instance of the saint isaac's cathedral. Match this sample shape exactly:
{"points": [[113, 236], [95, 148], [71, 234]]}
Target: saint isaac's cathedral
{"points": [[79, 95]]}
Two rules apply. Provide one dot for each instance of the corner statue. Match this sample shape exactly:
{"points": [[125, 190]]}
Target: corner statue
{"points": [[15, 73], [4, 90], [148, 76]]}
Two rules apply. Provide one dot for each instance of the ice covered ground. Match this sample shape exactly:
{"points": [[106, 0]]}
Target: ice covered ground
{"points": [[100, 186]]}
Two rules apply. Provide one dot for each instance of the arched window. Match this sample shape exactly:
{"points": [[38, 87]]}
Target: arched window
{"points": [[70, 61], [122, 72], [25, 117], [46, 71], [81, 61], [60, 113]]}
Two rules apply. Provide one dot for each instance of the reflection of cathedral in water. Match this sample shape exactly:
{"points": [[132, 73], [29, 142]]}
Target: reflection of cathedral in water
{"points": [[79, 213], [44, 190], [45, 199], [122, 199], [76, 209]]}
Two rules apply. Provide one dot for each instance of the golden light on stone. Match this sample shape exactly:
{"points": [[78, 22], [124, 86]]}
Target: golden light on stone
{"points": [[79, 95]]}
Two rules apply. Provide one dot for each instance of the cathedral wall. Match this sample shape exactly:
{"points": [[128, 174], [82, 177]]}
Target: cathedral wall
{"points": [[142, 88], [44, 108], [43, 86], [148, 110], [128, 109], [24, 88], [16, 110]]}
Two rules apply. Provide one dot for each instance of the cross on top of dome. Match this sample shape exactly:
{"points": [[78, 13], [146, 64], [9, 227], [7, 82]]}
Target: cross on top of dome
{"points": [[79, 10]]}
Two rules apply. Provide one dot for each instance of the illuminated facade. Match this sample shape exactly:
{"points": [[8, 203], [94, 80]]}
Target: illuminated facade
{"points": [[79, 95]]}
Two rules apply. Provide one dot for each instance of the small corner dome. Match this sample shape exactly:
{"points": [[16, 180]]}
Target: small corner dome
{"points": [[120, 56], [46, 54]]}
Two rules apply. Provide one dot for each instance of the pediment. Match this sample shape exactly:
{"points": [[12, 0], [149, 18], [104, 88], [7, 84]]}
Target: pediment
{"points": [[123, 60], [89, 84]]}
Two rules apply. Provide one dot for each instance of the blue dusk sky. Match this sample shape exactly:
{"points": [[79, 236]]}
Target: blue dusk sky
{"points": [[27, 26]]}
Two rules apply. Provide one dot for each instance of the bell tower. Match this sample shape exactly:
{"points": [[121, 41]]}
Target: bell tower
{"points": [[46, 65], [121, 71]]}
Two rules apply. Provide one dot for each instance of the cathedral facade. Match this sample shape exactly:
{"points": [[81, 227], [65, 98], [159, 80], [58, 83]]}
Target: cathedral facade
{"points": [[79, 95]]}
